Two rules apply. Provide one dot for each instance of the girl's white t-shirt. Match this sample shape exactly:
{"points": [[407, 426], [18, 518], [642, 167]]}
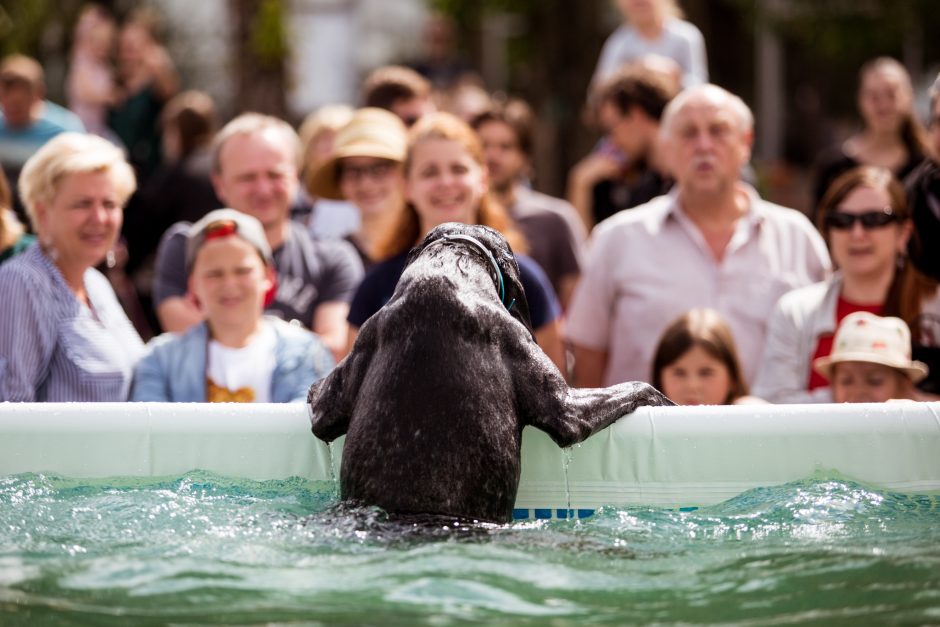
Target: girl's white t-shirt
{"points": [[242, 375]]}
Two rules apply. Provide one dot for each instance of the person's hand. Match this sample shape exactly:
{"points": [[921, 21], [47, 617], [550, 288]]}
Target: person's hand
{"points": [[157, 60], [162, 72], [594, 168], [591, 170]]}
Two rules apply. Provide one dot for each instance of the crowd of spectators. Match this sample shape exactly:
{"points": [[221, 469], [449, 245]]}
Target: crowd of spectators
{"points": [[151, 254]]}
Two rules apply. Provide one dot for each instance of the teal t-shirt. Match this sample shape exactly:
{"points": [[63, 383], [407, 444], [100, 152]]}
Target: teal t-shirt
{"points": [[18, 246]]}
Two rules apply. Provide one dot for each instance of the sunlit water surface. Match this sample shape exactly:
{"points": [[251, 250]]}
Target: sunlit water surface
{"points": [[207, 549]]}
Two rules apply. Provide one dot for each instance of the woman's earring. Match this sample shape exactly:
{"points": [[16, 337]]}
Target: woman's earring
{"points": [[900, 261], [50, 250], [109, 259]]}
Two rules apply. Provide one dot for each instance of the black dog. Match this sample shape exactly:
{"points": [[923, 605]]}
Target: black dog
{"points": [[441, 381]]}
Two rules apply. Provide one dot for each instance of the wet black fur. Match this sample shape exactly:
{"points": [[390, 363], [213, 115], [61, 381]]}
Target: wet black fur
{"points": [[440, 382]]}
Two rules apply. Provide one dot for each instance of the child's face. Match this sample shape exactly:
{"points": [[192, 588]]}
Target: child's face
{"points": [[697, 378], [863, 382]]}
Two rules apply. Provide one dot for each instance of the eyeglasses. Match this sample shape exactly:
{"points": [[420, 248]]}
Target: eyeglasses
{"points": [[373, 171], [873, 219]]}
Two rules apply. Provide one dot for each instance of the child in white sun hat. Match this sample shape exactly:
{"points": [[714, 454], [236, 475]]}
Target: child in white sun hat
{"points": [[871, 360]]}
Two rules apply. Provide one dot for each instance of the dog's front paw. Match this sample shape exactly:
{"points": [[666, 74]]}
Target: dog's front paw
{"points": [[651, 397]]}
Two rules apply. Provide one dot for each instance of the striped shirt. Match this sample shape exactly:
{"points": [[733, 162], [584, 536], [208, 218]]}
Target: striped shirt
{"points": [[54, 347]]}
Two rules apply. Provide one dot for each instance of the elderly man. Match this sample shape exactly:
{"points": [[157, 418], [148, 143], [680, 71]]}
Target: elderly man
{"points": [[711, 242], [255, 163]]}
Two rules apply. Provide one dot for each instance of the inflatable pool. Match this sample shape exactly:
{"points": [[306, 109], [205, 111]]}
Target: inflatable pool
{"points": [[660, 457]]}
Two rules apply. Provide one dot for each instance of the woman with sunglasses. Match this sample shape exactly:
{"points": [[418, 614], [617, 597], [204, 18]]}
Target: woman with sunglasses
{"points": [[866, 222]]}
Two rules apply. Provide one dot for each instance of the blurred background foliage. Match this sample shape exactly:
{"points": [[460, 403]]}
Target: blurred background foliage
{"points": [[548, 49]]}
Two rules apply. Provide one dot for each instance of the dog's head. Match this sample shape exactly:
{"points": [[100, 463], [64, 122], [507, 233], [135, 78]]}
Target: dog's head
{"points": [[495, 256]]}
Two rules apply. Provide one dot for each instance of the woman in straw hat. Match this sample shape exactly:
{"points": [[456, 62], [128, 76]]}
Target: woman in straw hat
{"points": [[366, 169], [871, 361]]}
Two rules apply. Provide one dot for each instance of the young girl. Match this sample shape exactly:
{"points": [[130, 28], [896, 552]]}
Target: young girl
{"points": [[696, 362]]}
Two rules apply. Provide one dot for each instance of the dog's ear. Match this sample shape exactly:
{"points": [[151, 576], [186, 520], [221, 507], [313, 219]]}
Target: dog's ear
{"points": [[413, 253]]}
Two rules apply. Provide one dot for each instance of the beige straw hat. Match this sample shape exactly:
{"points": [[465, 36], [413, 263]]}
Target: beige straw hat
{"points": [[372, 132], [863, 336]]}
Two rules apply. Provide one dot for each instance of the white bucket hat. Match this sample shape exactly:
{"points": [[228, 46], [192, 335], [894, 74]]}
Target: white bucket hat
{"points": [[863, 336]]}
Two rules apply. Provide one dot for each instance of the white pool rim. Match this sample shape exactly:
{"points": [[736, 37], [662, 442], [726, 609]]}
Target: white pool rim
{"points": [[675, 457]]}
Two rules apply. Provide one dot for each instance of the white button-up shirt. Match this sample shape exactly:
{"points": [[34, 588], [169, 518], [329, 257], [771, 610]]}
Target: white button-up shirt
{"points": [[649, 265]]}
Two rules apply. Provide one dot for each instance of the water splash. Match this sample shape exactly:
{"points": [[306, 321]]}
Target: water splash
{"points": [[334, 475], [205, 548], [566, 456]]}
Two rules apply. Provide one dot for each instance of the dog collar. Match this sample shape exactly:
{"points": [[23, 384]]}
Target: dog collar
{"points": [[486, 253]]}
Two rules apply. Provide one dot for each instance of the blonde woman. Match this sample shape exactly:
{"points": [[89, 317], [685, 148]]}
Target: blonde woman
{"points": [[63, 334]]}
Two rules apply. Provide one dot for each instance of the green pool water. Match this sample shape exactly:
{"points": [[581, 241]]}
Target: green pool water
{"points": [[207, 549]]}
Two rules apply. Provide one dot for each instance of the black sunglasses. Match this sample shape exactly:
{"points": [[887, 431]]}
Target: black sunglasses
{"points": [[870, 219]]}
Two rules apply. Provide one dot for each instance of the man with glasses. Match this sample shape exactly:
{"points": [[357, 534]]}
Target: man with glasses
{"points": [[711, 242], [255, 164]]}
